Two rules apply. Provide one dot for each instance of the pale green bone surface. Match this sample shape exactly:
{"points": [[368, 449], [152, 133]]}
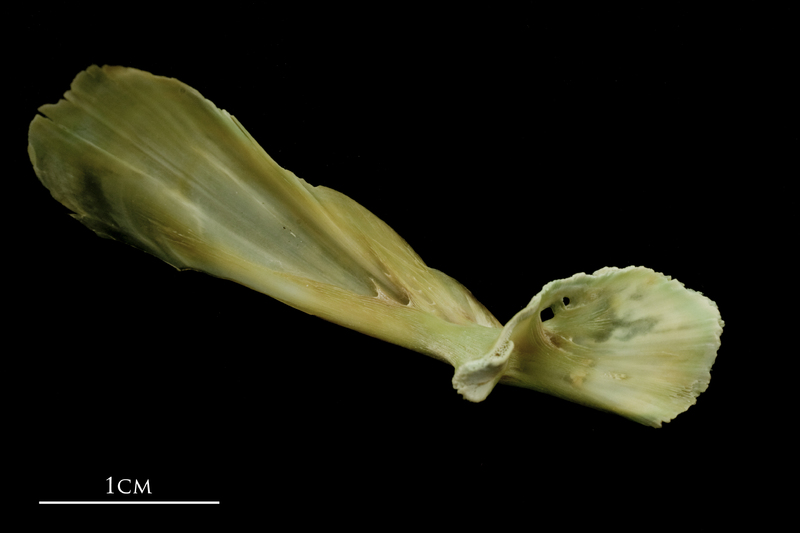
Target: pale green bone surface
{"points": [[631, 341], [147, 160]]}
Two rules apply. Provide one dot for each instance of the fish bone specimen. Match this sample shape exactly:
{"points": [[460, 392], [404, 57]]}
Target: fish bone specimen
{"points": [[148, 161]]}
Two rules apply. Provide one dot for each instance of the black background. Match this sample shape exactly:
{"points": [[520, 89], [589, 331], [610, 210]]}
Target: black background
{"points": [[509, 149]]}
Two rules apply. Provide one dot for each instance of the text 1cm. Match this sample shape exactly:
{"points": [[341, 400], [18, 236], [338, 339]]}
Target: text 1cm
{"points": [[137, 488]]}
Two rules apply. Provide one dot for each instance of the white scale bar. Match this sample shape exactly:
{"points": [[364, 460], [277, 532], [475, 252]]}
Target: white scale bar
{"points": [[123, 503]]}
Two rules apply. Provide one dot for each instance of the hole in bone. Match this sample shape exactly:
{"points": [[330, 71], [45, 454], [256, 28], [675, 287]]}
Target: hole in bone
{"points": [[565, 300], [546, 314]]}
